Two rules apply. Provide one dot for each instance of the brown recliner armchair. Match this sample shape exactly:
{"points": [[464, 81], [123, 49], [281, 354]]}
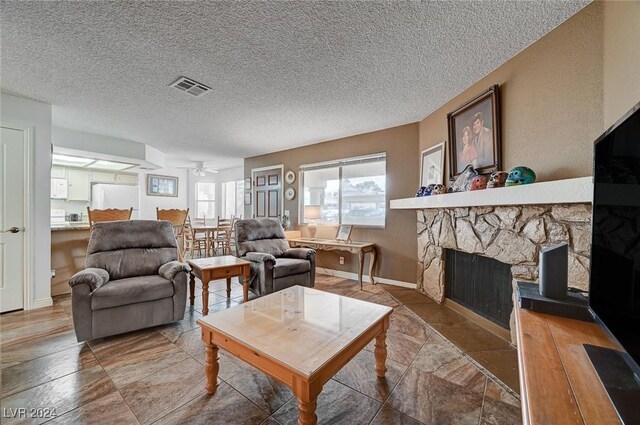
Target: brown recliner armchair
{"points": [[132, 280], [274, 265]]}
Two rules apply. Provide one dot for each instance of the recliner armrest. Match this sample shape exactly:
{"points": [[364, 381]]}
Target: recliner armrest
{"points": [[260, 257], [93, 276], [299, 253], [172, 268]]}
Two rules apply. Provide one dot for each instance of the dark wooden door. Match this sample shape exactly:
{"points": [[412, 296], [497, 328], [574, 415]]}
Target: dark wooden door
{"points": [[267, 192]]}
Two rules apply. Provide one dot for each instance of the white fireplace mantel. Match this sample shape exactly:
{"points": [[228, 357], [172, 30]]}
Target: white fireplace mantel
{"points": [[569, 191]]}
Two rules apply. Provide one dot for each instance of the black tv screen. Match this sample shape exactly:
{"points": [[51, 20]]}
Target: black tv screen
{"points": [[614, 292]]}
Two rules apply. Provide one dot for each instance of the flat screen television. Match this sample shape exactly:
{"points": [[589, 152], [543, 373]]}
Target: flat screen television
{"points": [[614, 290]]}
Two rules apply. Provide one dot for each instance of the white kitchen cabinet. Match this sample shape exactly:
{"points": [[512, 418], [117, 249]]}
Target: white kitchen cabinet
{"points": [[79, 188], [102, 177], [58, 188], [127, 178]]}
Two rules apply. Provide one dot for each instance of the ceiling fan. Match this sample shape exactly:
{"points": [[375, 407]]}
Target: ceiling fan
{"points": [[199, 169]]}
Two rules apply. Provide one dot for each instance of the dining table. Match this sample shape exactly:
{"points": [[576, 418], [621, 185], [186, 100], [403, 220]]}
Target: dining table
{"points": [[209, 230]]}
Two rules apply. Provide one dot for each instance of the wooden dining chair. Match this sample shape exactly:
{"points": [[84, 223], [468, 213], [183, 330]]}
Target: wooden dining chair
{"points": [[178, 219], [222, 237], [110, 214], [194, 240]]}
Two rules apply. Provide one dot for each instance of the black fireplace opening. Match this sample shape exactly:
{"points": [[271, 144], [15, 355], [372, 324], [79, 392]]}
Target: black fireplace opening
{"points": [[481, 284]]}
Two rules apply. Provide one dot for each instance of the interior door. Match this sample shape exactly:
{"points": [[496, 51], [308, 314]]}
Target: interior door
{"points": [[12, 151], [267, 193]]}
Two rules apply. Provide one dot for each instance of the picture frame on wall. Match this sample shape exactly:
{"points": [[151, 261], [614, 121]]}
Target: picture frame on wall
{"points": [[162, 185], [344, 233], [247, 198], [474, 134], [432, 165], [247, 183]]}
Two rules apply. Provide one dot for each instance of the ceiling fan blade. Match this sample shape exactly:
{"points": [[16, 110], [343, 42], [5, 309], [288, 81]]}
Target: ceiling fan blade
{"points": [[210, 171]]}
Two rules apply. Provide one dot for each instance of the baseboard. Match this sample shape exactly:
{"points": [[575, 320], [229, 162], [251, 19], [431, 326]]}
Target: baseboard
{"points": [[42, 302], [365, 278]]}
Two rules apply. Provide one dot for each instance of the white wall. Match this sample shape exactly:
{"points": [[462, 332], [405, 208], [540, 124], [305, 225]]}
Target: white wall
{"points": [[223, 176], [148, 204], [37, 115]]}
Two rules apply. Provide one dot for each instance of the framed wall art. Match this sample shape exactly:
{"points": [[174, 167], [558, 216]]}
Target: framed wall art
{"points": [[474, 134], [432, 165], [344, 233], [162, 185]]}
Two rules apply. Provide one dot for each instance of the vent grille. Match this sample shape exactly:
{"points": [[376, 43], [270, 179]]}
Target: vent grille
{"points": [[191, 87]]}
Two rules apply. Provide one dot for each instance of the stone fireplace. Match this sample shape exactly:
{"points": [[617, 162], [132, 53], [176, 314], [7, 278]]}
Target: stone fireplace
{"points": [[512, 235]]}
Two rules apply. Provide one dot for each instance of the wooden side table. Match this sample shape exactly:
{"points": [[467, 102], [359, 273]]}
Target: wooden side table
{"points": [[213, 268], [358, 248]]}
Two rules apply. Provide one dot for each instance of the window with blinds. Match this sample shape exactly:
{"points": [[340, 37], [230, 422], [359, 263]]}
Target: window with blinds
{"points": [[346, 191]]}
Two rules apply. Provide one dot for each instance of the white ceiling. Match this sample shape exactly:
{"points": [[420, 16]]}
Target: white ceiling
{"points": [[283, 74]]}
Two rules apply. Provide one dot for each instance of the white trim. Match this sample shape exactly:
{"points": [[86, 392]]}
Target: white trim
{"points": [[253, 187], [568, 191], [365, 278], [42, 302], [29, 225]]}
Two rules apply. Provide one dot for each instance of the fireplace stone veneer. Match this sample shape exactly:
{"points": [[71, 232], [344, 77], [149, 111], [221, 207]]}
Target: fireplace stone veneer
{"points": [[510, 234]]}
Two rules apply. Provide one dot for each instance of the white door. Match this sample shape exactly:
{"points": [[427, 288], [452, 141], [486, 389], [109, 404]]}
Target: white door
{"points": [[12, 160]]}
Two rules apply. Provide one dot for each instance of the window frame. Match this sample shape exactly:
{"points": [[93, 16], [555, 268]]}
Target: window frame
{"points": [[340, 163], [224, 193], [198, 201]]}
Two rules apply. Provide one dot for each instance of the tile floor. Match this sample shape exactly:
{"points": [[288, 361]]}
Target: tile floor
{"points": [[156, 375]]}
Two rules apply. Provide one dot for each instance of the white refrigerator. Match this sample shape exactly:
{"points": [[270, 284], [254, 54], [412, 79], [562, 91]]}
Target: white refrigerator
{"points": [[116, 196]]}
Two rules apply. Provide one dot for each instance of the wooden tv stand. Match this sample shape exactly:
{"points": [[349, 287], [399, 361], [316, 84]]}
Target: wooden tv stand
{"points": [[558, 384]]}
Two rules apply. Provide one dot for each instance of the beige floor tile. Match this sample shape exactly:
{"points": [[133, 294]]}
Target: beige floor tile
{"points": [[265, 392], [500, 407], [503, 364], [471, 337], [107, 410], [389, 416]]}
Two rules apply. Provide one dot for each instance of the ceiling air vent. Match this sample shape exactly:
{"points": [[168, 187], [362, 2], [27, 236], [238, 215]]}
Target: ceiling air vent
{"points": [[191, 87]]}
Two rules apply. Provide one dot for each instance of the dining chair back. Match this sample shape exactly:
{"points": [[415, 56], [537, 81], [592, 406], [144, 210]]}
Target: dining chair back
{"points": [[110, 214]]}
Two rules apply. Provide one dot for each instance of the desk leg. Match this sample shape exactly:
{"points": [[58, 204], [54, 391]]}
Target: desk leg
{"points": [[228, 287], [360, 267], [192, 288], [245, 284], [211, 366], [372, 264], [205, 296]]}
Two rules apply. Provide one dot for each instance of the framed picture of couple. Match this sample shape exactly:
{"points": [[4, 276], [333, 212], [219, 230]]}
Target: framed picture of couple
{"points": [[474, 134]]}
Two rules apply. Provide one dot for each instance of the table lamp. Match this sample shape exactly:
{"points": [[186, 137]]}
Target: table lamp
{"points": [[312, 212]]}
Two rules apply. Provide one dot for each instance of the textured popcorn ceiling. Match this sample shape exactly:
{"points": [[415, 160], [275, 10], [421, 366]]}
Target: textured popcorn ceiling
{"points": [[283, 74]]}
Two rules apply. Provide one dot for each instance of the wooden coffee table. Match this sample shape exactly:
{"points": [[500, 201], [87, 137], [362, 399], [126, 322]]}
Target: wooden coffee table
{"points": [[213, 268], [299, 336]]}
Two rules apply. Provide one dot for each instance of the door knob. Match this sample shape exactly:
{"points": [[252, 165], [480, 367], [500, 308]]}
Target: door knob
{"points": [[11, 230]]}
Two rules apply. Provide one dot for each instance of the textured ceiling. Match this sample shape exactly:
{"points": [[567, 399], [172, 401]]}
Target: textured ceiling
{"points": [[283, 74]]}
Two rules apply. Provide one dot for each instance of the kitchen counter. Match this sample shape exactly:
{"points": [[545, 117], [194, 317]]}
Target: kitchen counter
{"points": [[79, 225], [68, 251]]}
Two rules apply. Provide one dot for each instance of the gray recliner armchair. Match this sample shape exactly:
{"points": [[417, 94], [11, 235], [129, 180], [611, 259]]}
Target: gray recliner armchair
{"points": [[274, 265], [132, 280]]}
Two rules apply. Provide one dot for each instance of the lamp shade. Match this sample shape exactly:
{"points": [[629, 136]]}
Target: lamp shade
{"points": [[312, 211]]}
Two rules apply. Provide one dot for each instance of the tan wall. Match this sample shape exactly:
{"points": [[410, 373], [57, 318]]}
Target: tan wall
{"points": [[621, 59], [551, 100], [397, 243]]}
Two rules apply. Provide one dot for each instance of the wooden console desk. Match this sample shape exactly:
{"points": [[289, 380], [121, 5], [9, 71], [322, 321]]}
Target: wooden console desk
{"points": [[359, 248], [558, 384]]}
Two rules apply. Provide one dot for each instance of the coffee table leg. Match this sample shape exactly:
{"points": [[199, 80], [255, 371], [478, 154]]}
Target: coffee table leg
{"points": [[192, 288], [360, 267], [228, 287], [205, 297], [307, 412], [245, 286], [381, 354], [211, 367]]}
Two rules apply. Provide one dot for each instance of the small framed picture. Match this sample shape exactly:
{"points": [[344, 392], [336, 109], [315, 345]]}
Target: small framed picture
{"points": [[247, 198], [432, 167], [162, 185], [474, 134], [344, 233], [247, 183]]}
